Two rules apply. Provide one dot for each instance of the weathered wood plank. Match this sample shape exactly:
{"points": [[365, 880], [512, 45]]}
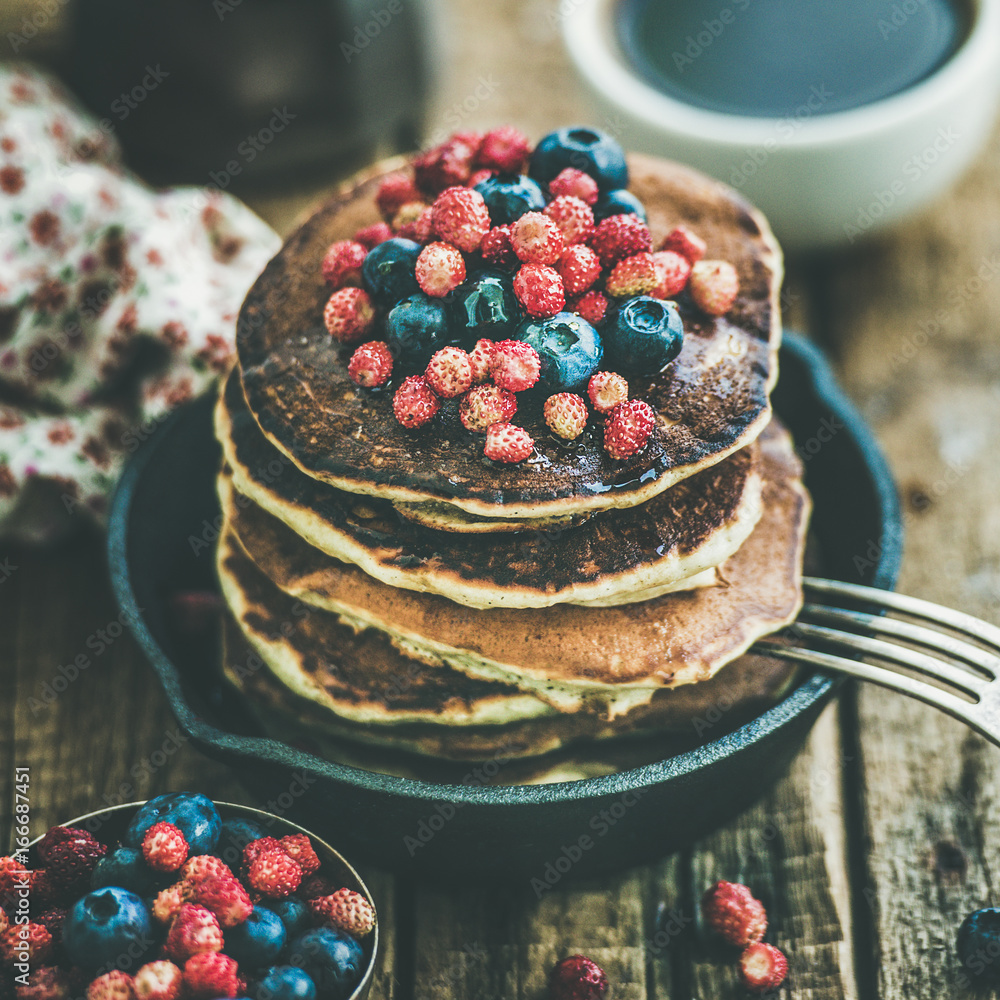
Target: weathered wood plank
{"points": [[98, 731], [500, 944], [915, 328], [790, 850]]}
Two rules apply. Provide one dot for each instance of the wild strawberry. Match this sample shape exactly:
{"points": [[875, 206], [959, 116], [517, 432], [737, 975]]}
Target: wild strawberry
{"points": [[30, 938], [762, 967], [447, 164], [539, 289], [731, 910], [681, 240], [45, 982], [222, 895], [415, 402], [407, 215], [485, 405], [507, 443], [577, 978], [394, 191], [635, 275], [202, 865], [56, 835], [478, 176], [114, 985], [5, 921], [592, 306], [516, 365], [460, 217], [349, 315], [574, 183], [210, 975], [342, 263], [53, 920], [449, 372], [370, 364], [628, 427], [537, 239], [504, 150], [606, 390], [160, 980], [573, 216], [579, 267], [440, 268], [71, 862], [262, 845], [346, 910], [168, 902], [481, 358], [672, 273], [566, 415], [274, 874], [421, 230], [714, 285], [316, 885], [496, 248], [373, 235], [164, 847], [194, 929], [620, 236], [13, 875], [300, 849]]}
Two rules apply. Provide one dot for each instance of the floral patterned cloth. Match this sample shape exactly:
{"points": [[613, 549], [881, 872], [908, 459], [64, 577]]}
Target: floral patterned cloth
{"points": [[117, 303]]}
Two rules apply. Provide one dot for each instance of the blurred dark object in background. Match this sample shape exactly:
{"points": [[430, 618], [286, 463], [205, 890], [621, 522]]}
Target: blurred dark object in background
{"points": [[251, 93]]}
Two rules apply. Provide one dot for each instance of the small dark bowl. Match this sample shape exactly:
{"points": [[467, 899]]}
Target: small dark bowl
{"points": [[165, 506], [109, 825]]}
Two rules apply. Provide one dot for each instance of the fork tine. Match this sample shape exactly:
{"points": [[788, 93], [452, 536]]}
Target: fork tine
{"points": [[959, 621], [964, 680], [940, 642], [927, 693]]}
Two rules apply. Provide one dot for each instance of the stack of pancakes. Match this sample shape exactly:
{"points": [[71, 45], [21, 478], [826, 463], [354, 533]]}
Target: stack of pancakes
{"points": [[400, 602]]}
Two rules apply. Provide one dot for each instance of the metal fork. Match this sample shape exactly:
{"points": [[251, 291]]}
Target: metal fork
{"points": [[897, 641]]}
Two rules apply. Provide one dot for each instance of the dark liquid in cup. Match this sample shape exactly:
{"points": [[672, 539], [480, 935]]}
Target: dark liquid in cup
{"points": [[773, 58]]}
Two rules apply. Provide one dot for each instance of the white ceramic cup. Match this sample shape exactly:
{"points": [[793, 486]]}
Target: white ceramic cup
{"points": [[822, 179]]}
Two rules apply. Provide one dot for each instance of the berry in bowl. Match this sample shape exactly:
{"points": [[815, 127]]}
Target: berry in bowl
{"points": [[183, 897]]}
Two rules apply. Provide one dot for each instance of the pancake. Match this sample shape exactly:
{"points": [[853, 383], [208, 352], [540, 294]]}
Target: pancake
{"points": [[676, 719], [712, 400], [615, 557], [565, 655], [358, 675], [447, 517]]}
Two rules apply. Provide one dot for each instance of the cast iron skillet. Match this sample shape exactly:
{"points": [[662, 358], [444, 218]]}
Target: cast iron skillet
{"points": [[165, 509]]}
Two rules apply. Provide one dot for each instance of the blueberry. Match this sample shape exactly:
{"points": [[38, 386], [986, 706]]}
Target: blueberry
{"points": [[285, 982], [124, 867], [978, 945], [484, 305], [258, 940], [509, 196], [194, 814], [585, 149], [294, 914], [619, 202], [332, 959], [236, 833], [644, 336], [415, 328], [109, 928], [570, 350], [388, 271]]}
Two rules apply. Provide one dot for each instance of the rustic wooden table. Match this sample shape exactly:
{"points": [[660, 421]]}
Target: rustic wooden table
{"points": [[884, 834]]}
